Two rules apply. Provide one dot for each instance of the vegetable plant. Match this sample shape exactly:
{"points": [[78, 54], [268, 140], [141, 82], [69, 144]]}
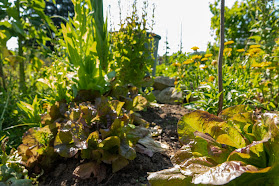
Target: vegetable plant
{"points": [[239, 144]]}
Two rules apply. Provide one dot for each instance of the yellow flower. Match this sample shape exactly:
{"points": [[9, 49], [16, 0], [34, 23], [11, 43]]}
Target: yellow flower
{"points": [[182, 75], [242, 67], [228, 42], [204, 67], [255, 46], [45, 105], [211, 78], [204, 59], [176, 64], [175, 83], [214, 62], [196, 57], [260, 65], [227, 51], [208, 55], [188, 61], [203, 83], [240, 50], [271, 68], [195, 48]]}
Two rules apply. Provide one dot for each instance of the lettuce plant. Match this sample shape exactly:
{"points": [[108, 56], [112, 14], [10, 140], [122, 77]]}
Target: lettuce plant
{"points": [[11, 170], [102, 132], [236, 148]]}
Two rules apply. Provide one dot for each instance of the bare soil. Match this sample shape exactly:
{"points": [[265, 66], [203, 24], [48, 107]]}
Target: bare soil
{"points": [[164, 115]]}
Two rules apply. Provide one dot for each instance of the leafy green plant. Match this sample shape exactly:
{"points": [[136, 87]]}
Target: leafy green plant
{"points": [[11, 170], [86, 45], [239, 145], [106, 132], [31, 112], [131, 50]]}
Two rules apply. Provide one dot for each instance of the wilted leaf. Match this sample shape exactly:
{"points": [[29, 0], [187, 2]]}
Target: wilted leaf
{"points": [[85, 170], [126, 151], [119, 163], [152, 145], [143, 150]]}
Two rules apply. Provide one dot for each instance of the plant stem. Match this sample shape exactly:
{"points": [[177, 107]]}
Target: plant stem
{"points": [[2, 75], [220, 58], [20, 54]]}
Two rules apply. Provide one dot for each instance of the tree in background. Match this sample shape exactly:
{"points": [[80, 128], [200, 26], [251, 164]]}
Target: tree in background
{"points": [[63, 8], [246, 22], [26, 21]]}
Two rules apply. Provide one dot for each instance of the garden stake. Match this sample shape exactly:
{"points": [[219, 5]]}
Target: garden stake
{"points": [[220, 58]]}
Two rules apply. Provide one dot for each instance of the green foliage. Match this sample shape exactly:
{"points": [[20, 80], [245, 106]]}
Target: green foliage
{"points": [[85, 36], [11, 170], [132, 50], [31, 112], [237, 145]]}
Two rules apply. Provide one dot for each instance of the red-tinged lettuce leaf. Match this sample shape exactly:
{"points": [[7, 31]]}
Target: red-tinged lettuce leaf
{"points": [[200, 121], [204, 145], [253, 154], [63, 144], [225, 172], [103, 106], [35, 145], [88, 113], [66, 150], [204, 122], [230, 112]]}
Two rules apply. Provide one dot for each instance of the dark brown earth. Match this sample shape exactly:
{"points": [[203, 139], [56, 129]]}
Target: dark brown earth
{"points": [[166, 116]]}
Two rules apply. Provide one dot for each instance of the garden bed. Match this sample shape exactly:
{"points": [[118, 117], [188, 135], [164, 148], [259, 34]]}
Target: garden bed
{"points": [[166, 116]]}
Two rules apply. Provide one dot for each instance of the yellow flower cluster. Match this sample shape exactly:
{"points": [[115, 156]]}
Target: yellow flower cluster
{"points": [[176, 64], [228, 42], [242, 67], [227, 51], [255, 46], [260, 65], [204, 59], [211, 78], [204, 67], [208, 55], [240, 50], [196, 57], [195, 48], [188, 61]]}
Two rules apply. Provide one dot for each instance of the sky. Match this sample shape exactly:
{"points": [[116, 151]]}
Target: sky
{"points": [[171, 16]]}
